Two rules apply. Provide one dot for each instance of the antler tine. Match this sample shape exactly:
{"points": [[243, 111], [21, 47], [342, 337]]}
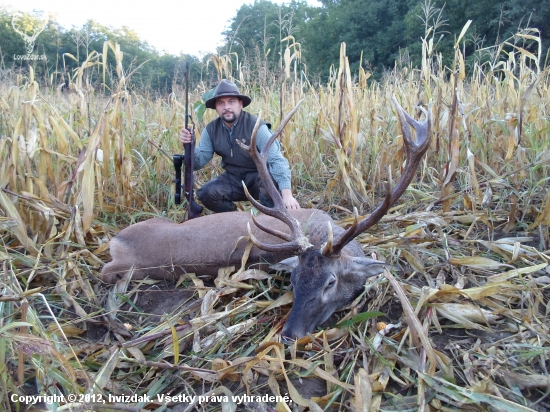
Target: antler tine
{"points": [[281, 127], [297, 245], [271, 231], [415, 150], [36, 31], [261, 160], [296, 241], [327, 248], [14, 18], [347, 236], [42, 28]]}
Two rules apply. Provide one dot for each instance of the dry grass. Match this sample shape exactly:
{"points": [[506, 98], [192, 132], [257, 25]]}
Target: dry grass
{"points": [[465, 304]]}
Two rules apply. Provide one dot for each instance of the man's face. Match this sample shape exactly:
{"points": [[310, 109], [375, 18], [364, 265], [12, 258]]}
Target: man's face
{"points": [[229, 108]]}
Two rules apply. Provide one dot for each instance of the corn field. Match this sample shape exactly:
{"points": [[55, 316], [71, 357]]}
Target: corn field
{"points": [[464, 308]]}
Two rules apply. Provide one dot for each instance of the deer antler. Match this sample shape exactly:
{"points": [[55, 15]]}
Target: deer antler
{"points": [[15, 18], [29, 40], [296, 241], [415, 150]]}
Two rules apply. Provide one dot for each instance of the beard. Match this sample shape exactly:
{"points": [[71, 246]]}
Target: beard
{"points": [[229, 117]]}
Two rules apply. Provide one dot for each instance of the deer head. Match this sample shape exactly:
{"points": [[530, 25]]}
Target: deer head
{"points": [[17, 25], [330, 277]]}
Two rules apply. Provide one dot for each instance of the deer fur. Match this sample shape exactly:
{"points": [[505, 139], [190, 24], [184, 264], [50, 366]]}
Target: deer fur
{"points": [[160, 248]]}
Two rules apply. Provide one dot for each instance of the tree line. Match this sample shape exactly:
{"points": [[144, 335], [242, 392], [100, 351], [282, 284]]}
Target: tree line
{"points": [[58, 51], [265, 42], [378, 33]]}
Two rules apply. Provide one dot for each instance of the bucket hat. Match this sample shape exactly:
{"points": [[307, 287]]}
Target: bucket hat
{"points": [[225, 89]]}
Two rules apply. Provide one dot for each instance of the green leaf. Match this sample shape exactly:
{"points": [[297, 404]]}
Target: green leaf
{"points": [[208, 95], [12, 325], [468, 396], [199, 108], [130, 302], [360, 318], [103, 376]]}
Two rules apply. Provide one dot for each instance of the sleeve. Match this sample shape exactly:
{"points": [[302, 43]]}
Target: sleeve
{"points": [[277, 163], [204, 151]]}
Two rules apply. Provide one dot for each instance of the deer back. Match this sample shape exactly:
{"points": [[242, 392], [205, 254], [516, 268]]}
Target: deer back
{"points": [[161, 249]]}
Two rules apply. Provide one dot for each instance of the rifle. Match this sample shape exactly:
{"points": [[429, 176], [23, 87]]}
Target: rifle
{"points": [[193, 208]]}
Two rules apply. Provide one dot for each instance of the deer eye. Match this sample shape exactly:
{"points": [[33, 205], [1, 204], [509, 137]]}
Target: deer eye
{"points": [[332, 281]]}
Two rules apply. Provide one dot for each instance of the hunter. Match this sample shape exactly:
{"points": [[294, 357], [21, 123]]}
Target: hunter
{"points": [[220, 137]]}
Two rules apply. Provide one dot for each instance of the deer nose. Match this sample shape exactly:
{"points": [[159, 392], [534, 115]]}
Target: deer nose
{"points": [[291, 332]]}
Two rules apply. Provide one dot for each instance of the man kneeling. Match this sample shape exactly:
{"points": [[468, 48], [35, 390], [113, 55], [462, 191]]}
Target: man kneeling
{"points": [[220, 137]]}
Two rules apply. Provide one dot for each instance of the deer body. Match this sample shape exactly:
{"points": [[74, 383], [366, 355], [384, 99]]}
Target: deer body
{"points": [[328, 267], [161, 249]]}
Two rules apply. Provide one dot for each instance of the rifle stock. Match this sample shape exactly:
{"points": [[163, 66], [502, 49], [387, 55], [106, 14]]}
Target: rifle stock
{"points": [[178, 161], [193, 208]]}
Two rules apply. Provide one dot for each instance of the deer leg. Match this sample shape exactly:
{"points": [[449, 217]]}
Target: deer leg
{"points": [[112, 273]]}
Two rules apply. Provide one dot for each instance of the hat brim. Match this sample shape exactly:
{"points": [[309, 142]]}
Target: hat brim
{"points": [[211, 103]]}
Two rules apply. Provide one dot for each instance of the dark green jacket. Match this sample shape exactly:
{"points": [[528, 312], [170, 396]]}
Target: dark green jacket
{"points": [[235, 160]]}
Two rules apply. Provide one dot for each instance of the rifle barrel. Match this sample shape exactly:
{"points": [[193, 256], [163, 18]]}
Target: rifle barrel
{"points": [[193, 208]]}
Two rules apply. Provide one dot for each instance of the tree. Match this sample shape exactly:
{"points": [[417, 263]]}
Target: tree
{"points": [[256, 34], [375, 28]]}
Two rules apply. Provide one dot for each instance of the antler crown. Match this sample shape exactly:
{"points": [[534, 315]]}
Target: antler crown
{"points": [[29, 40]]}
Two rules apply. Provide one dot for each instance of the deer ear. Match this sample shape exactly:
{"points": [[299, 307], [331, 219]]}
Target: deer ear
{"points": [[368, 267], [286, 265]]}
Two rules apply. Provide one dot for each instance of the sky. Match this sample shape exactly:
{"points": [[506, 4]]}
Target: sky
{"points": [[189, 26]]}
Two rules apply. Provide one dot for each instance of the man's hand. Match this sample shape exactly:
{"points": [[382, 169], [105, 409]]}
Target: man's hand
{"points": [[185, 136], [288, 200]]}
